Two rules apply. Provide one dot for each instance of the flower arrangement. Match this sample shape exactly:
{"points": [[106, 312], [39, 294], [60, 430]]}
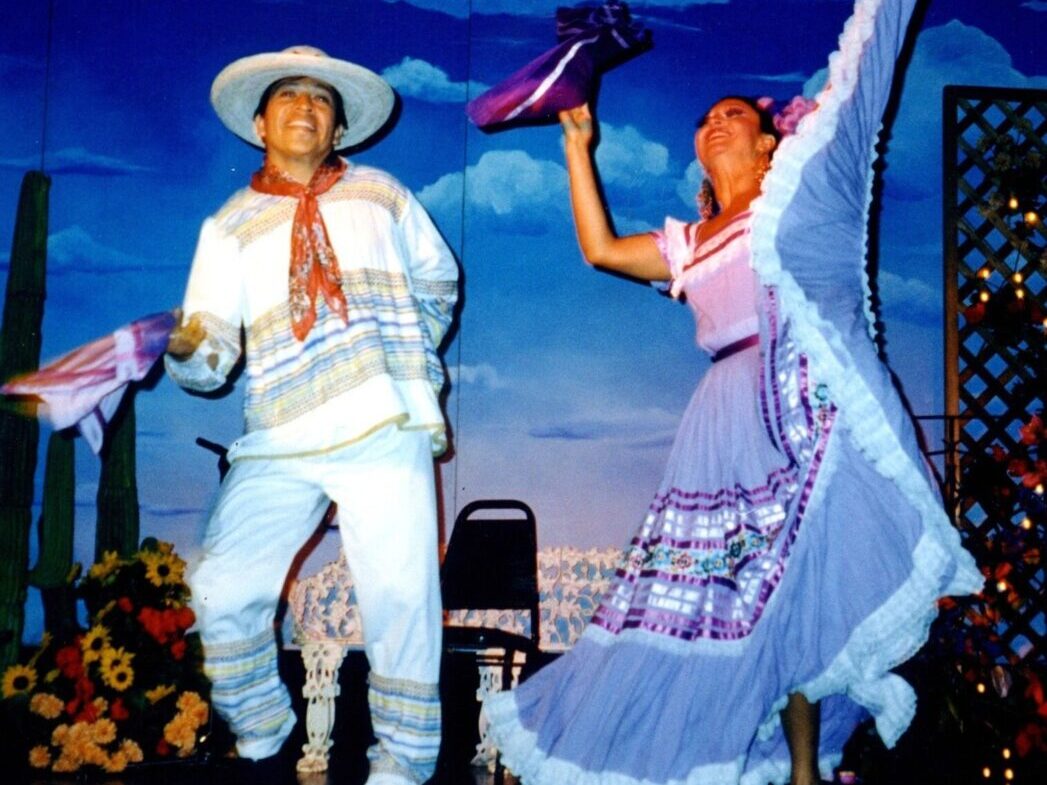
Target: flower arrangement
{"points": [[128, 689]]}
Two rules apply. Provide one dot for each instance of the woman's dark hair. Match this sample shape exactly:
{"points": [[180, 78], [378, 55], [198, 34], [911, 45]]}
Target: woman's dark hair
{"points": [[339, 106], [766, 118]]}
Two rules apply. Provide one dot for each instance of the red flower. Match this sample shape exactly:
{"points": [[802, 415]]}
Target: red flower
{"points": [[118, 711], [185, 617], [162, 748], [1033, 431], [125, 604], [1034, 691], [69, 662], [1029, 737], [178, 649], [162, 626], [1018, 466], [998, 453], [88, 714], [974, 313]]}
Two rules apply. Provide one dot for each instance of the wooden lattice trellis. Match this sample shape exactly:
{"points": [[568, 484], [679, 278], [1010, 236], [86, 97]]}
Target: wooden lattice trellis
{"points": [[995, 143]]}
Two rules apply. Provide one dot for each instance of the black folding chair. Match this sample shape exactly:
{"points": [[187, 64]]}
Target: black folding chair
{"points": [[492, 563]]}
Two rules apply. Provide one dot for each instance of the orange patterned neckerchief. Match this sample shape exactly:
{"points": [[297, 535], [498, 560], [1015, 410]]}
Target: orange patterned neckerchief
{"points": [[314, 266]]}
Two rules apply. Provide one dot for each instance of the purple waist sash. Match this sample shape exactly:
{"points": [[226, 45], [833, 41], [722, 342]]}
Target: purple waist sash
{"points": [[734, 348]]}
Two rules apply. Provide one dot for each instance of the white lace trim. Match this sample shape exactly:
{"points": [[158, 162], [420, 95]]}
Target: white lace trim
{"points": [[862, 415], [520, 754]]}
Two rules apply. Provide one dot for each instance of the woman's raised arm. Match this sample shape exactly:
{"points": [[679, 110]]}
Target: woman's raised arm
{"points": [[635, 255]]}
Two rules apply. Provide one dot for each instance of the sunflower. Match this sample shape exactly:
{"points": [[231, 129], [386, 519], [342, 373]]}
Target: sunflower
{"points": [[94, 642], [116, 668], [103, 569], [159, 692], [18, 680], [162, 569]]}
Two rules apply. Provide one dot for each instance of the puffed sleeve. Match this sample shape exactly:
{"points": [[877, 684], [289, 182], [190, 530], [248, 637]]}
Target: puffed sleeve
{"points": [[215, 294], [432, 268], [675, 241]]}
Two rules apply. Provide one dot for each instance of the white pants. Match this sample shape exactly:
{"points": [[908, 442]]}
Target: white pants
{"points": [[265, 511]]}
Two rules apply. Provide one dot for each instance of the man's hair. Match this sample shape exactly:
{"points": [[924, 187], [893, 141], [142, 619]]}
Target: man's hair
{"points": [[339, 106]]}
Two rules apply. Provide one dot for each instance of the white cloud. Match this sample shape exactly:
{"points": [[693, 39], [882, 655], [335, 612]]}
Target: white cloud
{"points": [[74, 250], [792, 77], [628, 426], [687, 187], [626, 157], [420, 79], [75, 160], [525, 192], [910, 298], [482, 375]]}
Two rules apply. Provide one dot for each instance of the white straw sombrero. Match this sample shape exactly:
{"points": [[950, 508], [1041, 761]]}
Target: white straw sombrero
{"points": [[368, 99]]}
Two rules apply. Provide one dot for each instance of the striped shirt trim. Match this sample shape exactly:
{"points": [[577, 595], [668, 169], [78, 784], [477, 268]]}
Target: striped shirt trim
{"points": [[250, 215]]}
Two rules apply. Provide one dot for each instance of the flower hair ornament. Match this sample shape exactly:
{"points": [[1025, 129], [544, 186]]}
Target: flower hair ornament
{"points": [[786, 121]]}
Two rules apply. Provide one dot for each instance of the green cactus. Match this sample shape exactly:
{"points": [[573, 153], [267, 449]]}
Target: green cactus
{"points": [[54, 572], [117, 527], [20, 340]]}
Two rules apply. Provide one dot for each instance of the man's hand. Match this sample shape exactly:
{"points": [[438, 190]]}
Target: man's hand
{"points": [[185, 338]]}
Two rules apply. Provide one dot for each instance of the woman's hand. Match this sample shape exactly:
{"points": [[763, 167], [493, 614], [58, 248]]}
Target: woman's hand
{"points": [[185, 338], [577, 125]]}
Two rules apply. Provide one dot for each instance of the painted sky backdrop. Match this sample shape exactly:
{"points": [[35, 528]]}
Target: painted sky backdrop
{"points": [[568, 384]]}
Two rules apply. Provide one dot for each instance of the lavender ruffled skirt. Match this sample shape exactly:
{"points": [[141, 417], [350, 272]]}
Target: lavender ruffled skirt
{"points": [[774, 558]]}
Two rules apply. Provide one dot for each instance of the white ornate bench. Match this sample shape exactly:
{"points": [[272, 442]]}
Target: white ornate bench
{"points": [[570, 581]]}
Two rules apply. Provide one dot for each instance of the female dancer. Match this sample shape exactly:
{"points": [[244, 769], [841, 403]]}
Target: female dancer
{"points": [[796, 547]]}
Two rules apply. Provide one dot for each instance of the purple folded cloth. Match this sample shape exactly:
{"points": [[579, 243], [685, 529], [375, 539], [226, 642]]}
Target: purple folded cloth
{"points": [[591, 39], [85, 386]]}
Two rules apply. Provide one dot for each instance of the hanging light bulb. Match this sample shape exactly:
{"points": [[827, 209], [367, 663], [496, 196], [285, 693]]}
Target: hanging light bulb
{"points": [[1001, 586], [1019, 293], [986, 772], [1006, 753], [980, 688], [984, 297], [1032, 218], [1017, 277], [1012, 203], [1026, 524], [984, 273], [1008, 774]]}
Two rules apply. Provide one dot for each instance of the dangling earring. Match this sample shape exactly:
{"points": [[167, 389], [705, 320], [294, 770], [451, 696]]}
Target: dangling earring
{"points": [[763, 166], [707, 207]]}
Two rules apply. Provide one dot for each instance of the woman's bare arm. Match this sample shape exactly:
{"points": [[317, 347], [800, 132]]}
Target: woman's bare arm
{"points": [[636, 255]]}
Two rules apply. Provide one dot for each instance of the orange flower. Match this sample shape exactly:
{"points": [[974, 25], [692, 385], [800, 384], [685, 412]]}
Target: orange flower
{"points": [[46, 705], [39, 757]]}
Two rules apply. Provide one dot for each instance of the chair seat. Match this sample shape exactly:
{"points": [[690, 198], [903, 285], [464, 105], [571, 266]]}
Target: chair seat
{"points": [[474, 639]]}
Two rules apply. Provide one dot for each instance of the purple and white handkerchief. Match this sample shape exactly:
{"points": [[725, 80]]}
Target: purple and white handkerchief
{"points": [[84, 387], [591, 40]]}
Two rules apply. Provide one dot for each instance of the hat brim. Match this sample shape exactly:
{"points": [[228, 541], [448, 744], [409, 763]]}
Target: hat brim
{"points": [[368, 99]]}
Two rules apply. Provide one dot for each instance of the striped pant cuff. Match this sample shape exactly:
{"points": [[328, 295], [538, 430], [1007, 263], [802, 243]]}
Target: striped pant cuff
{"points": [[406, 719], [247, 692]]}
